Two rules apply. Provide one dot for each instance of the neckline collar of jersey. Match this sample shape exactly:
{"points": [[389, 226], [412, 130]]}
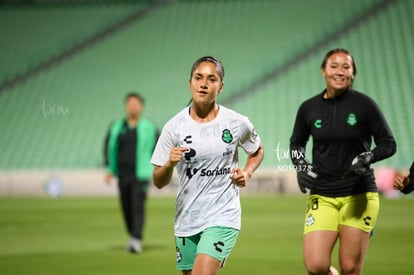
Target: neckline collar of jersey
{"points": [[214, 119], [343, 95]]}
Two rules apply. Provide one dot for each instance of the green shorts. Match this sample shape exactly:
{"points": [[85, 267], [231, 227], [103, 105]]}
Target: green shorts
{"points": [[215, 241], [358, 211]]}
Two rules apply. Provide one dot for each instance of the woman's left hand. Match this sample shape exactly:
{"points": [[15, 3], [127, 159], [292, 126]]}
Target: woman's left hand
{"points": [[240, 177]]}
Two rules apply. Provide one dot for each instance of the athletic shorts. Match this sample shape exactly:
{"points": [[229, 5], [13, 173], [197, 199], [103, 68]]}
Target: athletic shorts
{"points": [[215, 241], [358, 211]]}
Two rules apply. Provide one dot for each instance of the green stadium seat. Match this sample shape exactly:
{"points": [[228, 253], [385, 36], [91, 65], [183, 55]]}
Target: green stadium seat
{"points": [[153, 56]]}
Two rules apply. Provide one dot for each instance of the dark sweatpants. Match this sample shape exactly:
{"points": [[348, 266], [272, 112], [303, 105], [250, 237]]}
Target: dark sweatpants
{"points": [[133, 196]]}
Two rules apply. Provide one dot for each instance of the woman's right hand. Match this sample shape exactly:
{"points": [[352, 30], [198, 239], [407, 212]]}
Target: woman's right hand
{"points": [[176, 154], [162, 174]]}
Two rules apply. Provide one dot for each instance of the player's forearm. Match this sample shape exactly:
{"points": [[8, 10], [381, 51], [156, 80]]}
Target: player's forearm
{"points": [[384, 150], [254, 161], [162, 175]]}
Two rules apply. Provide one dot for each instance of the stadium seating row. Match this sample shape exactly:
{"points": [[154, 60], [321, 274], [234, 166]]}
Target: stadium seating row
{"points": [[34, 34]]}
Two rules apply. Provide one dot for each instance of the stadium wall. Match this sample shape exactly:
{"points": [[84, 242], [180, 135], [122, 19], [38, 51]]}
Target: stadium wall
{"points": [[56, 183]]}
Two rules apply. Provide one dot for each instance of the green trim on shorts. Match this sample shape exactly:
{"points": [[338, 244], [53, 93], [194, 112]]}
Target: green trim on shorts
{"points": [[357, 211], [215, 241]]}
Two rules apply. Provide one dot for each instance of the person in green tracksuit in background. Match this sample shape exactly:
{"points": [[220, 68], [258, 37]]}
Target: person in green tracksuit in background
{"points": [[128, 148]]}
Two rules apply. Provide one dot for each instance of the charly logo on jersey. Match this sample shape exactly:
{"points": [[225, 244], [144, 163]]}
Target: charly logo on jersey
{"points": [[188, 140], [318, 123], [227, 137], [367, 220], [352, 119]]}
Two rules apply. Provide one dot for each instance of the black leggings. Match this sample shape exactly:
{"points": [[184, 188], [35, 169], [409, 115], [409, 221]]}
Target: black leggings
{"points": [[133, 196]]}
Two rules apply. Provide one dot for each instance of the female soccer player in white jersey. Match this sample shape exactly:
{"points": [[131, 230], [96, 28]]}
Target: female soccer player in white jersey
{"points": [[202, 141]]}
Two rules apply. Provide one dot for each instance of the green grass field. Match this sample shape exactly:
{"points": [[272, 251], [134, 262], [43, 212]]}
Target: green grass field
{"points": [[86, 236]]}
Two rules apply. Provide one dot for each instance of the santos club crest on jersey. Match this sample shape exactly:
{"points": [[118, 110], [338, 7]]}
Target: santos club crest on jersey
{"points": [[227, 137], [352, 119]]}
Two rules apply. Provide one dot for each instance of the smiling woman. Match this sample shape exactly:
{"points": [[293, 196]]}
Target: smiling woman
{"points": [[344, 202], [339, 70], [202, 142]]}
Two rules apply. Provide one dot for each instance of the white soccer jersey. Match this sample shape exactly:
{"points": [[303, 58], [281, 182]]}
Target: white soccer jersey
{"points": [[206, 195]]}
